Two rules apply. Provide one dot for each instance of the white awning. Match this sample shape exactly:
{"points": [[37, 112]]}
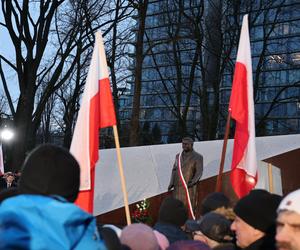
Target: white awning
{"points": [[147, 169]]}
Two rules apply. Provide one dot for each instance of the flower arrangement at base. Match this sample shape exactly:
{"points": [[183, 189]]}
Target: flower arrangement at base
{"points": [[141, 213]]}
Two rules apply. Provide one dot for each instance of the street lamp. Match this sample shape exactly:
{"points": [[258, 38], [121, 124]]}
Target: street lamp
{"points": [[6, 134]]}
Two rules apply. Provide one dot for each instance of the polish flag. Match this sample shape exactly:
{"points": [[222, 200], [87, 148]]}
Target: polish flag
{"points": [[1, 161], [241, 107], [96, 111]]}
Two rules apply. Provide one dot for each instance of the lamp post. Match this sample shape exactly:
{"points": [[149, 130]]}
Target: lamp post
{"points": [[6, 135]]}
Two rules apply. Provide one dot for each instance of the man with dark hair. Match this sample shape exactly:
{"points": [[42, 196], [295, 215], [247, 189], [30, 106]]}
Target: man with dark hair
{"points": [[214, 201], [187, 171], [172, 216]]}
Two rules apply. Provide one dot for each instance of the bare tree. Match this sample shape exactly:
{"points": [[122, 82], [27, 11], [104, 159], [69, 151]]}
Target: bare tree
{"points": [[141, 7], [115, 32], [68, 97], [117, 48], [30, 35], [269, 19], [219, 39], [45, 129], [29, 38], [182, 54], [198, 57], [265, 18]]}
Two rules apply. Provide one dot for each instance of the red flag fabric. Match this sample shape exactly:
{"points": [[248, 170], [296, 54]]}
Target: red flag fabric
{"points": [[241, 107], [96, 111]]}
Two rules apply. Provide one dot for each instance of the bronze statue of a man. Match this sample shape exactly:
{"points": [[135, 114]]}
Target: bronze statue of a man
{"points": [[187, 171]]}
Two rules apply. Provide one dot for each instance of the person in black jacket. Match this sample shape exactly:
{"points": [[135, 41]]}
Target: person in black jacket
{"points": [[3, 184], [172, 216]]}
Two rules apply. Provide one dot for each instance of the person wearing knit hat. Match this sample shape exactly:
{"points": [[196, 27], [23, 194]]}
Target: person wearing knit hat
{"points": [[214, 230], [255, 220], [40, 214], [50, 170], [117, 230], [110, 238], [139, 236], [162, 240], [288, 222], [171, 217]]}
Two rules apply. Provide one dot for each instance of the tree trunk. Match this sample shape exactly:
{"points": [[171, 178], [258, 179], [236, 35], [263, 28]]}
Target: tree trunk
{"points": [[25, 138], [135, 116]]}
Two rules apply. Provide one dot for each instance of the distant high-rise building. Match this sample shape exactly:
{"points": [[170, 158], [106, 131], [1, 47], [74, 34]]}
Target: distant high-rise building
{"points": [[187, 71]]}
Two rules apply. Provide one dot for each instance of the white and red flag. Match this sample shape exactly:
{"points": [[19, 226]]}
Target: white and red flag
{"points": [[241, 107], [1, 161], [96, 111]]}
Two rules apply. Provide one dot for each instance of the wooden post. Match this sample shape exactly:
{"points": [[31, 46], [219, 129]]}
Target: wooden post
{"points": [[270, 178], [219, 179], [120, 165]]}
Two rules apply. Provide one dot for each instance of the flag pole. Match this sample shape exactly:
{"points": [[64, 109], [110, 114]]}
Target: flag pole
{"points": [[219, 179], [120, 165], [270, 178]]}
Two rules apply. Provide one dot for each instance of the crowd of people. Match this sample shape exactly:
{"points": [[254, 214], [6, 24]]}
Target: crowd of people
{"points": [[37, 212]]}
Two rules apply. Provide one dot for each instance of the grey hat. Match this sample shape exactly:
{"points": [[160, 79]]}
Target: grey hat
{"points": [[213, 225]]}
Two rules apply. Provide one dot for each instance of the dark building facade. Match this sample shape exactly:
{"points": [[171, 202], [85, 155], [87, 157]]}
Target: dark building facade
{"points": [[188, 67]]}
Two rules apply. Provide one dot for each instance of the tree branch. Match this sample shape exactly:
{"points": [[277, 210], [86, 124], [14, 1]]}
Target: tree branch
{"points": [[10, 103]]}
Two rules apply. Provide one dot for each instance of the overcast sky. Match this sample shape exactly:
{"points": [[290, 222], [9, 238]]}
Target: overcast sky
{"points": [[7, 50]]}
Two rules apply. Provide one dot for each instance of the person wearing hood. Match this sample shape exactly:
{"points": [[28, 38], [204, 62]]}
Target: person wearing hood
{"points": [[40, 214]]}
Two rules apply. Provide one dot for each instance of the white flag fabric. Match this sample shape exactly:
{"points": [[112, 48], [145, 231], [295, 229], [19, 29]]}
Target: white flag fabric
{"points": [[241, 108], [1, 160], [96, 111]]}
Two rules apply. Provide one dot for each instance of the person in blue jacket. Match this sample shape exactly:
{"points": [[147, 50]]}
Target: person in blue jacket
{"points": [[41, 214]]}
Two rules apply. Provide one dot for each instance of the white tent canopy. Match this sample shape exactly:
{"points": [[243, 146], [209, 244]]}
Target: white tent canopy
{"points": [[147, 169]]}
